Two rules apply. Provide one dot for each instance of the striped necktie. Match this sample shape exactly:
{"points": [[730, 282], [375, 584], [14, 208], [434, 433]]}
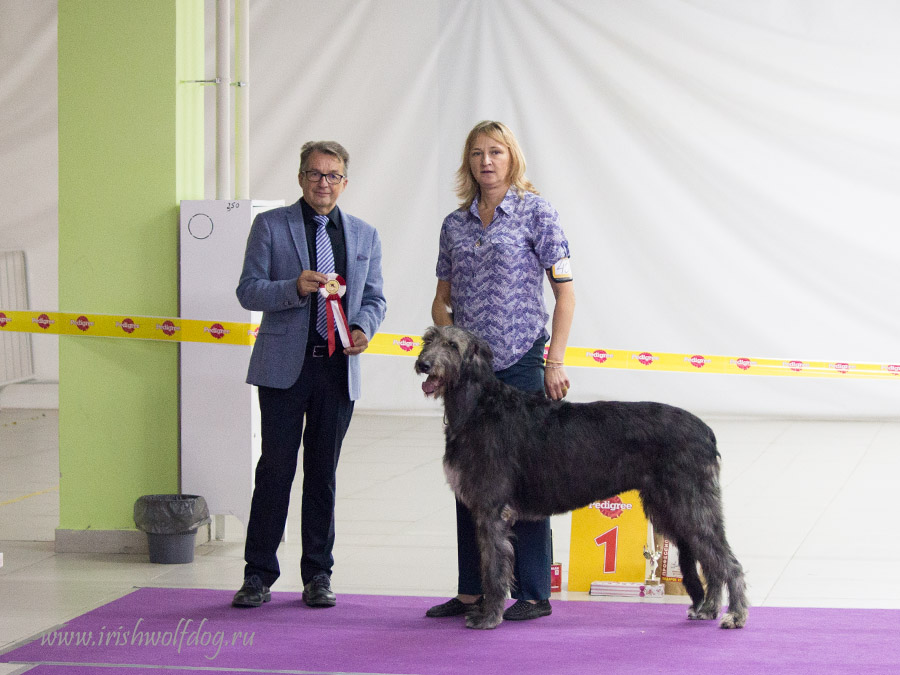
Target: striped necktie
{"points": [[325, 265]]}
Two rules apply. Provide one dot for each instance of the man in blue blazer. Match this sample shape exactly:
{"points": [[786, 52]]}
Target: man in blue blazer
{"points": [[300, 384]]}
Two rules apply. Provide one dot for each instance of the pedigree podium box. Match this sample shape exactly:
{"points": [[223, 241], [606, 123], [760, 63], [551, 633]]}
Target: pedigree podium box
{"points": [[607, 543]]}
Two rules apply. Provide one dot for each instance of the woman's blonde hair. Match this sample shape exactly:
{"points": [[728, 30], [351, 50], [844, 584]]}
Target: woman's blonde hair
{"points": [[467, 187]]}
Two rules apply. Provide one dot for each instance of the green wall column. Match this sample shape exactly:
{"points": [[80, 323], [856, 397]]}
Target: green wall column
{"points": [[130, 148]]}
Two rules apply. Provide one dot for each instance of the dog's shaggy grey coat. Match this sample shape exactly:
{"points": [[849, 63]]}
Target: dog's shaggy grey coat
{"points": [[512, 455]]}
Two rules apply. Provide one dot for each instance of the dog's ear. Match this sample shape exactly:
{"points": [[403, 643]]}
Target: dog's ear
{"points": [[482, 349], [479, 354]]}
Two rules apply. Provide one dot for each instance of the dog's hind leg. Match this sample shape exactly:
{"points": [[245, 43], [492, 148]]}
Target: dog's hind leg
{"points": [[696, 542], [496, 568], [736, 617], [680, 526], [721, 569], [691, 579], [714, 572]]}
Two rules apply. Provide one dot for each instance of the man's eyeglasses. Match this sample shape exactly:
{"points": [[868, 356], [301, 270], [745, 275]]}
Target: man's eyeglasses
{"points": [[316, 176]]}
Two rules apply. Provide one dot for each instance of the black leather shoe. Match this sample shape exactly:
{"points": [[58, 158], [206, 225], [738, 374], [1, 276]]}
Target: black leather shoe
{"points": [[522, 610], [252, 594], [453, 607], [317, 593]]}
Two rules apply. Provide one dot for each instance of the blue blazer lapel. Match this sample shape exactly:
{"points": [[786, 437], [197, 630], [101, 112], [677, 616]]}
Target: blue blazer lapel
{"points": [[298, 233]]}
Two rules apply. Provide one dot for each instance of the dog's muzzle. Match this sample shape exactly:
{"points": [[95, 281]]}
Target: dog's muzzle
{"points": [[432, 385]]}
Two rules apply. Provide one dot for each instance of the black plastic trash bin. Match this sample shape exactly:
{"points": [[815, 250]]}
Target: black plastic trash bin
{"points": [[171, 523]]}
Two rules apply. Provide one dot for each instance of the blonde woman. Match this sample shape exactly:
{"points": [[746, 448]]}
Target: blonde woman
{"points": [[495, 251]]}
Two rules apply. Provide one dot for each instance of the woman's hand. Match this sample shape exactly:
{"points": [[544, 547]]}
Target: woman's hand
{"points": [[556, 382]]}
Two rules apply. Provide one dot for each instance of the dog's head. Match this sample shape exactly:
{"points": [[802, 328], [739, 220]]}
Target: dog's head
{"points": [[448, 355]]}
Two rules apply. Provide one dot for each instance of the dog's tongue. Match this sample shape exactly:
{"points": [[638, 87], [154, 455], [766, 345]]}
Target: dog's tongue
{"points": [[428, 386]]}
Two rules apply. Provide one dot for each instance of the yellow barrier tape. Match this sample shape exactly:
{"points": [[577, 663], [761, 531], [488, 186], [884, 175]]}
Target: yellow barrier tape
{"points": [[175, 329], [170, 329]]}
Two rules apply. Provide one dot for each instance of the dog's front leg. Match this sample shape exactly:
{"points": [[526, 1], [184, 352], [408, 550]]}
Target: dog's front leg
{"points": [[496, 568]]}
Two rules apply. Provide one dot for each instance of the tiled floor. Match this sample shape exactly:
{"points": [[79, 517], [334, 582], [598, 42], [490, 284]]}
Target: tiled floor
{"points": [[810, 509]]}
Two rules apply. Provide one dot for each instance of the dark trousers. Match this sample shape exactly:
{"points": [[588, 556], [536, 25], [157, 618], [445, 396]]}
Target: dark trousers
{"points": [[531, 539], [319, 401]]}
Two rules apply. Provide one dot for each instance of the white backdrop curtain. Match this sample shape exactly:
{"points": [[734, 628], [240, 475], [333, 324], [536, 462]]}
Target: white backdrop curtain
{"points": [[728, 173]]}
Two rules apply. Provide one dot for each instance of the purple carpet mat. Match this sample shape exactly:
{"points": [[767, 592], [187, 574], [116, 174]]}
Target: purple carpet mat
{"points": [[69, 669], [185, 630]]}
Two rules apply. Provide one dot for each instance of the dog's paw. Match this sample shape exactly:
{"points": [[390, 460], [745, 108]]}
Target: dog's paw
{"points": [[482, 621], [733, 620], [701, 614]]}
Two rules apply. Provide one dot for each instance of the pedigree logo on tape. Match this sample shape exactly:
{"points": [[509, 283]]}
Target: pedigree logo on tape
{"points": [[645, 358], [697, 361], [796, 366], [406, 343], [4, 320], [743, 363], [612, 508], [43, 321], [893, 369], [168, 327], [599, 355], [217, 330], [842, 368], [128, 325], [82, 323]]}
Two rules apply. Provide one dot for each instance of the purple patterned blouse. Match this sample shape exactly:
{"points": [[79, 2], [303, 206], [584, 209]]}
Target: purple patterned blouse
{"points": [[496, 274]]}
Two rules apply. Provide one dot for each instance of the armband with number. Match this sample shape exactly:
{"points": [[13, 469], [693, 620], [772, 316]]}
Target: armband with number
{"points": [[561, 270]]}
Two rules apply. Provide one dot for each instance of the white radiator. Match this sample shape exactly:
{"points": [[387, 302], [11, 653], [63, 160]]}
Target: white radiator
{"points": [[16, 362]]}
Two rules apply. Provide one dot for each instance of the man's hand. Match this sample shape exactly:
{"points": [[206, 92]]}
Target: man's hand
{"points": [[360, 342], [308, 282]]}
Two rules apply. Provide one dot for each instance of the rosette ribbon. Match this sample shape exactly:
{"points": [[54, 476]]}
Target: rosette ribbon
{"points": [[331, 293]]}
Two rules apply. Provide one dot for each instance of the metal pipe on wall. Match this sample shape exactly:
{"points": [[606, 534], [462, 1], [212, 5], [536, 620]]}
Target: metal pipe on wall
{"points": [[223, 100], [242, 99]]}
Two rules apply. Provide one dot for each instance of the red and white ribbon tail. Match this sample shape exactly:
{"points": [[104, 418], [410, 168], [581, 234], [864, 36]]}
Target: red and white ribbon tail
{"points": [[342, 325], [329, 313]]}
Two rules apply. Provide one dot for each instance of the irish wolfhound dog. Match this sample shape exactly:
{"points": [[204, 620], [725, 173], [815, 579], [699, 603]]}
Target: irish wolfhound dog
{"points": [[511, 455]]}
